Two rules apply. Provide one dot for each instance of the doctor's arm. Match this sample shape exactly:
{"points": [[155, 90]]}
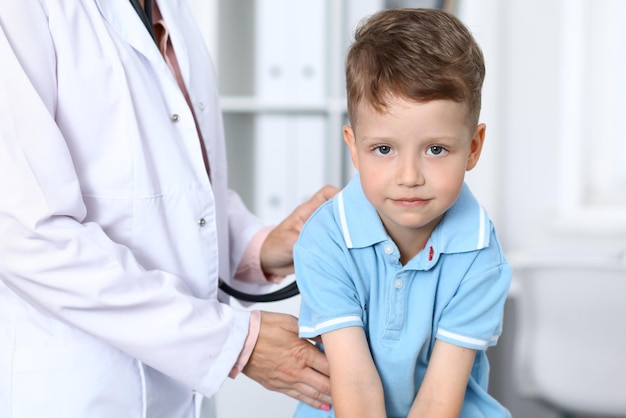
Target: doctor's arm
{"points": [[443, 389], [356, 387]]}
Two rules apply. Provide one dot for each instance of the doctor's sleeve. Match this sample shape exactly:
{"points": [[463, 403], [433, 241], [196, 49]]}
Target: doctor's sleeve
{"points": [[41, 218]]}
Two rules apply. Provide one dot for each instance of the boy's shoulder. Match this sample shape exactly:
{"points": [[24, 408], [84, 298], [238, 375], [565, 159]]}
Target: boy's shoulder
{"points": [[323, 215], [322, 225], [348, 215]]}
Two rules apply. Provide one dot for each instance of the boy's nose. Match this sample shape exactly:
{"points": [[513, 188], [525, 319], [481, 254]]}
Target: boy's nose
{"points": [[410, 173]]}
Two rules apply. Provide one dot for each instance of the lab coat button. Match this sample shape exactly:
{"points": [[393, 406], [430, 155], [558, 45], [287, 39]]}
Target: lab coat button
{"points": [[201, 106], [174, 117], [201, 222]]}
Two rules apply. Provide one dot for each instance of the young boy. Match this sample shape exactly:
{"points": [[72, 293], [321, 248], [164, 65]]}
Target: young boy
{"points": [[401, 273]]}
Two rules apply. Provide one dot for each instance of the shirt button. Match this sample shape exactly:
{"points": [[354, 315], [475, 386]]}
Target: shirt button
{"points": [[398, 283], [388, 249], [201, 222], [175, 117]]}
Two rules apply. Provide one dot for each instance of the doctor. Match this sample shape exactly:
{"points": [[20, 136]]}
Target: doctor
{"points": [[116, 222]]}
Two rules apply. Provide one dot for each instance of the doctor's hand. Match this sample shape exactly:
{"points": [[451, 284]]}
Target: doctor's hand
{"points": [[277, 249], [283, 362]]}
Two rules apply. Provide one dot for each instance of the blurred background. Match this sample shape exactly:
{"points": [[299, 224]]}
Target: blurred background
{"points": [[552, 175]]}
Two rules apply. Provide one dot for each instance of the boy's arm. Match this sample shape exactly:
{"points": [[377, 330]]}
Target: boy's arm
{"points": [[356, 387], [443, 389]]}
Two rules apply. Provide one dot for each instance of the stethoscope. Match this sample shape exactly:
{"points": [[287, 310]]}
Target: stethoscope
{"points": [[286, 292], [145, 14]]}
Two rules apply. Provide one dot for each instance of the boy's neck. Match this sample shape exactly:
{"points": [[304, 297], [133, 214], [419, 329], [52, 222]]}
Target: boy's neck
{"points": [[411, 242], [410, 249]]}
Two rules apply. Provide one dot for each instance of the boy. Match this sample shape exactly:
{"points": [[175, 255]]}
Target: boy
{"points": [[401, 273]]}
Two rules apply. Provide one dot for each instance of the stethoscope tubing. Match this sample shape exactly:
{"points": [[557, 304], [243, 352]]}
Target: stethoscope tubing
{"points": [[286, 292]]}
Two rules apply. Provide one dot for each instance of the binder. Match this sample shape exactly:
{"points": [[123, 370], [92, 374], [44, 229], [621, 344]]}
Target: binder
{"points": [[291, 71]]}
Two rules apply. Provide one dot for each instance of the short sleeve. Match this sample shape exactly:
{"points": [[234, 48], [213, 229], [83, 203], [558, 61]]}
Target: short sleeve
{"points": [[324, 273], [473, 316]]}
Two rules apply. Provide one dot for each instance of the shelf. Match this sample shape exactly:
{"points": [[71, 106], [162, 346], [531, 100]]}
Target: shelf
{"points": [[243, 104]]}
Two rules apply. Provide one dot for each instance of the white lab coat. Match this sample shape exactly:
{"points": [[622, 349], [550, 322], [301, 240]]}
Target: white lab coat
{"points": [[109, 227]]}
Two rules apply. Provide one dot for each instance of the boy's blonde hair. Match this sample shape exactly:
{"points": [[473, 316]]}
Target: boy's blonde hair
{"points": [[414, 54]]}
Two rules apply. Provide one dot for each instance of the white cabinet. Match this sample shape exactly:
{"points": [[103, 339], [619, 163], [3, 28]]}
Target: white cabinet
{"points": [[280, 67]]}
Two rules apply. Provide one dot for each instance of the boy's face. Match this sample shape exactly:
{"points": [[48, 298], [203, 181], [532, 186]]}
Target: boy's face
{"points": [[412, 160]]}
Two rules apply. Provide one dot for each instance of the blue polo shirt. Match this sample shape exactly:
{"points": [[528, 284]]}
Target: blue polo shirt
{"points": [[349, 273]]}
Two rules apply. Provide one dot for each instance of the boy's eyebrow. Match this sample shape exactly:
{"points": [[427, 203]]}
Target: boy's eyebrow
{"points": [[443, 138], [431, 138], [376, 138]]}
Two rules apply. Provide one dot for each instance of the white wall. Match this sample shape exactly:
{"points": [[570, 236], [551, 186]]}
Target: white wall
{"points": [[554, 105], [547, 65]]}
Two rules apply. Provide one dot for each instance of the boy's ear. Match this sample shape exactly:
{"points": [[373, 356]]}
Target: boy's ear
{"points": [[348, 137], [476, 146]]}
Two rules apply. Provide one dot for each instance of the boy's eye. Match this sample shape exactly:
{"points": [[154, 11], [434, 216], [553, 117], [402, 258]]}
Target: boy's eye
{"points": [[383, 149], [436, 150]]}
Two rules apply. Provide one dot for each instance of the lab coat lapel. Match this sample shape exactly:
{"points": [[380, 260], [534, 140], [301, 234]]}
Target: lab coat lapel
{"points": [[125, 22]]}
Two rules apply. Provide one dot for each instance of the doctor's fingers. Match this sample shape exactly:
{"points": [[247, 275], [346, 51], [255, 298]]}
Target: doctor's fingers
{"points": [[283, 362], [277, 249], [305, 379], [304, 210], [309, 395], [288, 373], [314, 358]]}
